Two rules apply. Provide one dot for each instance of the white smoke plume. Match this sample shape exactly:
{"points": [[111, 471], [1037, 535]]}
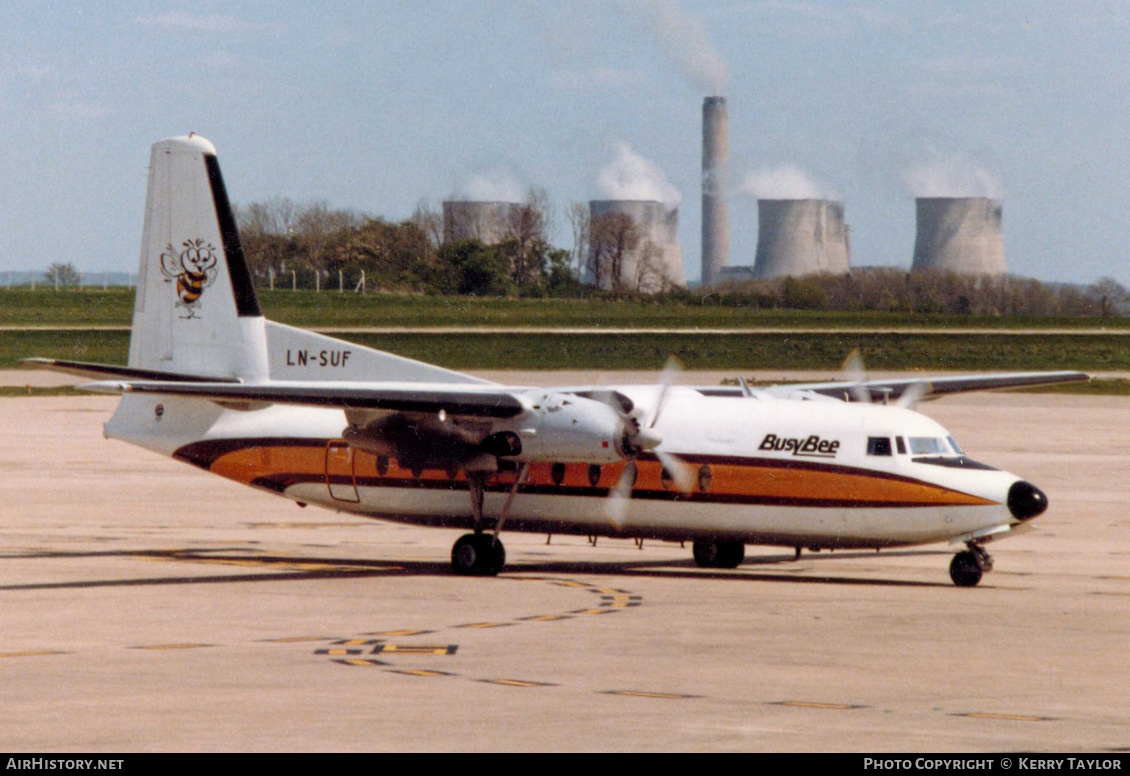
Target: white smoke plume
{"points": [[786, 182], [631, 176], [952, 176], [492, 186], [684, 39]]}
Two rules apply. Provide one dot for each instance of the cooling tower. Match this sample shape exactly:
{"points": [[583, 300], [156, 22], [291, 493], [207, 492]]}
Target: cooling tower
{"points": [[959, 234], [487, 222], [647, 255], [800, 237], [715, 206]]}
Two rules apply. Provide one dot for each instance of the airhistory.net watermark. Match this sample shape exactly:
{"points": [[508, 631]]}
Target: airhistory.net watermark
{"points": [[61, 764]]}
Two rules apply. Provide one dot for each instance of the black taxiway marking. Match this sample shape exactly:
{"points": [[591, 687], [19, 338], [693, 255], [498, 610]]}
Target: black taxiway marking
{"points": [[668, 696], [1004, 717], [415, 649], [160, 647], [33, 653]]}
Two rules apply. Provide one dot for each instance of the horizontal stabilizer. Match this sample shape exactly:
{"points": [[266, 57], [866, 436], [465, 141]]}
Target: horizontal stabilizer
{"points": [[470, 401], [87, 370]]}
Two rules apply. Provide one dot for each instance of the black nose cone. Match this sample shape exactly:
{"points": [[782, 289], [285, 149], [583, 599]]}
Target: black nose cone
{"points": [[1025, 500]]}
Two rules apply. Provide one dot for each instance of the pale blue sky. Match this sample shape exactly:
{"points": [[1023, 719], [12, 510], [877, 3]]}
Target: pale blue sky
{"points": [[376, 105]]}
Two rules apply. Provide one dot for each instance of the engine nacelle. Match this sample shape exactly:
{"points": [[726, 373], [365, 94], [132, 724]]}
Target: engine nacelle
{"points": [[561, 428]]}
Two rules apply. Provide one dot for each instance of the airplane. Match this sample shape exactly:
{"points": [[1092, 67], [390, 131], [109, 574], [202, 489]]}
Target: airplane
{"points": [[317, 420]]}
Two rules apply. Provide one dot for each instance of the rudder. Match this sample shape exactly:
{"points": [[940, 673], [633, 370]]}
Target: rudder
{"points": [[196, 311]]}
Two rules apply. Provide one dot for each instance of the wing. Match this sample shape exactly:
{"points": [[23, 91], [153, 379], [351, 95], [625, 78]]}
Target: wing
{"points": [[436, 424], [931, 387], [473, 401]]}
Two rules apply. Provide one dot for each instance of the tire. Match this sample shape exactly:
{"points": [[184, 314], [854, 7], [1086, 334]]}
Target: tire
{"points": [[965, 569], [718, 553], [477, 555]]}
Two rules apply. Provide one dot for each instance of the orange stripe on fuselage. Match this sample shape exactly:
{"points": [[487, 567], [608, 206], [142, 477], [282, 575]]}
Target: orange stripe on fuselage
{"points": [[757, 479]]}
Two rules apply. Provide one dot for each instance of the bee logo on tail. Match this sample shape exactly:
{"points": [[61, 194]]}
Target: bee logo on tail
{"points": [[194, 269]]}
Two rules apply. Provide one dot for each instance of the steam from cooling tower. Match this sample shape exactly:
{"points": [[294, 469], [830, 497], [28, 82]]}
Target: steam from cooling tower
{"points": [[952, 175], [683, 38], [631, 176], [786, 182], [496, 185]]}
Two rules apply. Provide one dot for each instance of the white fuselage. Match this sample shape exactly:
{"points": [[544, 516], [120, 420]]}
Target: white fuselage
{"points": [[767, 470]]}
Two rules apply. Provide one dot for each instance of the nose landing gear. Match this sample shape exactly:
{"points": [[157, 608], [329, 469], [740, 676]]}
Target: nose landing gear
{"points": [[967, 566]]}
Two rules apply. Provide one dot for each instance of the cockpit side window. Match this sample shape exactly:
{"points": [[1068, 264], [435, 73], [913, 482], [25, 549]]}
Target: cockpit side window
{"points": [[878, 445], [900, 443]]}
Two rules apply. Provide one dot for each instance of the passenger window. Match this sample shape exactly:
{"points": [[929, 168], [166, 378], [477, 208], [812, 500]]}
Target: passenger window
{"points": [[878, 445], [900, 443]]}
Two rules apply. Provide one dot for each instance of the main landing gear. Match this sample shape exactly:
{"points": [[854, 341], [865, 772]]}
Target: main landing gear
{"points": [[478, 555], [718, 553], [481, 554], [967, 566]]}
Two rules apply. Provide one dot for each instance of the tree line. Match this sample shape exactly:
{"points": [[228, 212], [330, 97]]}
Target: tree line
{"points": [[316, 242], [313, 246]]}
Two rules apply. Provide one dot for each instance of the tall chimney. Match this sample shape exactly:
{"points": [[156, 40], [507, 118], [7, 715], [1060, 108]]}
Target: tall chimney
{"points": [[715, 206]]}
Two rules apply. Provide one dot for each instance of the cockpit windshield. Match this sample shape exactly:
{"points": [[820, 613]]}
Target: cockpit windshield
{"points": [[941, 451], [933, 446]]}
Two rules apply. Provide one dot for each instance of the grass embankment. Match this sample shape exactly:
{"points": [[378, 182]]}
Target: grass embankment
{"points": [[114, 307], [587, 351], [648, 351]]}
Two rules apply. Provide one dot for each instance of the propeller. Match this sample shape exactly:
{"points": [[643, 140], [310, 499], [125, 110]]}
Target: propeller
{"points": [[912, 395], [640, 436], [857, 375]]}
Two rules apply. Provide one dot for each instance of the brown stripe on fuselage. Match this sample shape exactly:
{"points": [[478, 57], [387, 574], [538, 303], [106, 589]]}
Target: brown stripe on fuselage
{"points": [[278, 463]]}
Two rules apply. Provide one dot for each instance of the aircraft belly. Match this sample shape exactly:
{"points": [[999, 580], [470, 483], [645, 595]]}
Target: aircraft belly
{"points": [[788, 526]]}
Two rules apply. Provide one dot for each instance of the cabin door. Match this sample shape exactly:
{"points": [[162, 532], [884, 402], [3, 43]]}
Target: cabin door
{"points": [[339, 472]]}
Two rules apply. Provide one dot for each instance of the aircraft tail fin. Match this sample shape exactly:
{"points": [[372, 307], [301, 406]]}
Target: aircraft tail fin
{"points": [[196, 310]]}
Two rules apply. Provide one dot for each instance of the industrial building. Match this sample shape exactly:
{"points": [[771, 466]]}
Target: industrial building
{"points": [[959, 234], [801, 237], [634, 246], [487, 222]]}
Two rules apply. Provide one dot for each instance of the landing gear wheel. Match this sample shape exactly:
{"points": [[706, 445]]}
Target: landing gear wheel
{"points": [[965, 569], [479, 555], [718, 554]]}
